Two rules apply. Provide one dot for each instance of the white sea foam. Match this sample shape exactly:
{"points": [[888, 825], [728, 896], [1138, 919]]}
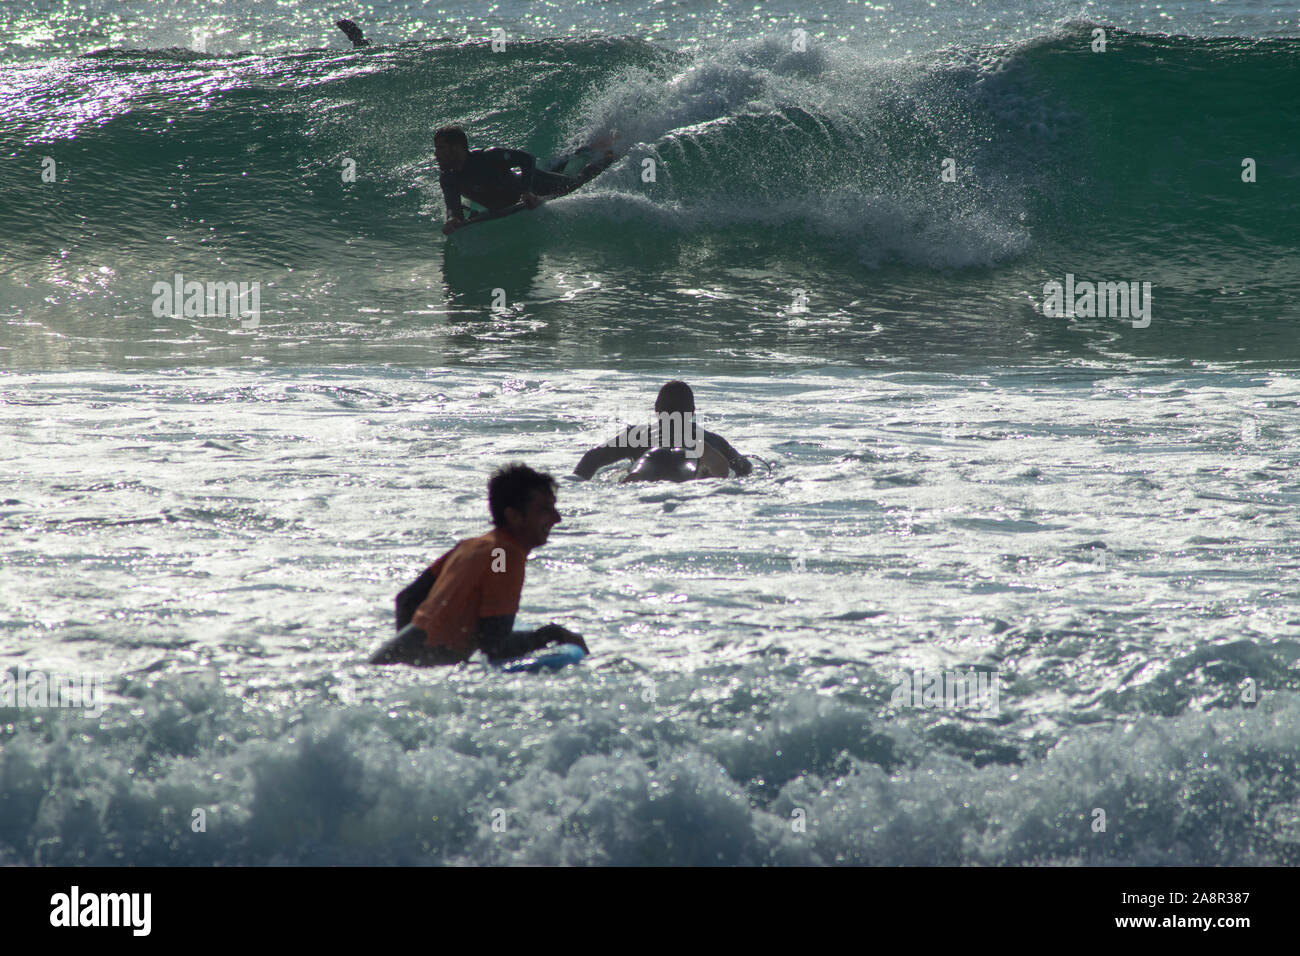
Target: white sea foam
{"points": [[1111, 544]]}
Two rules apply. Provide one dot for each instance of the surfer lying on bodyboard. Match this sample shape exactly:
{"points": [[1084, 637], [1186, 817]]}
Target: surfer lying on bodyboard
{"points": [[467, 599], [674, 448], [487, 176]]}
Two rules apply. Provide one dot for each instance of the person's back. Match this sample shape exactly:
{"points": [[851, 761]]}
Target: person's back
{"points": [[479, 577], [488, 178], [677, 464]]}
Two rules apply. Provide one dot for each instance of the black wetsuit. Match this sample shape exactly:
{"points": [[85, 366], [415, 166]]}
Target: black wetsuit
{"points": [[664, 464], [489, 179], [635, 440]]}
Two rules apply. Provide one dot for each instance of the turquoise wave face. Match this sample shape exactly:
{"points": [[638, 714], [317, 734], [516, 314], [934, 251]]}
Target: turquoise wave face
{"points": [[752, 180]]}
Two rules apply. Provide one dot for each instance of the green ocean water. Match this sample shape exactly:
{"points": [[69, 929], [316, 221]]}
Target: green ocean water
{"points": [[798, 209]]}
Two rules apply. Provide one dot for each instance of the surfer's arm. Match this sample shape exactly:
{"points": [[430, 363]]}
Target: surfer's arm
{"points": [[739, 463], [616, 449], [451, 198], [500, 642]]}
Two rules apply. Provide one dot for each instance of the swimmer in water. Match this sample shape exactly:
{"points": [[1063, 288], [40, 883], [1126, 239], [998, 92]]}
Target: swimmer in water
{"points": [[467, 600], [675, 448]]}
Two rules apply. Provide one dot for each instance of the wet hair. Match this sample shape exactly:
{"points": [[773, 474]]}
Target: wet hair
{"points": [[453, 135], [512, 486], [675, 396]]}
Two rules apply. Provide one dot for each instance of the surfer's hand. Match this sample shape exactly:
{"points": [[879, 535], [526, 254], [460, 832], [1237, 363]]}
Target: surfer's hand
{"points": [[452, 225], [530, 200], [555, 634]]}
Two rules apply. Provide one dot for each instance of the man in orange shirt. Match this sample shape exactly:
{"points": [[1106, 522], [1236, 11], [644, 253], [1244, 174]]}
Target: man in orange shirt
{"points": [[468, 598]]}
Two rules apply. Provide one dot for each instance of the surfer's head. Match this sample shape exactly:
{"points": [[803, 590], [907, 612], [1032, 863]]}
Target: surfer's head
{"points": [[675, 396], [450, 147], [522, 502], [663, 464], [675, 411]]}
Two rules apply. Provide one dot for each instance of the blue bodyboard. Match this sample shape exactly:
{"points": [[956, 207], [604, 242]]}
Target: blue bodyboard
{"points": [[553, 658]]}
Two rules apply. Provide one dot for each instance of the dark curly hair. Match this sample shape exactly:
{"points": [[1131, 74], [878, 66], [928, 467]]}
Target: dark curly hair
{"points": [[453, 135], [511, 486]]}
